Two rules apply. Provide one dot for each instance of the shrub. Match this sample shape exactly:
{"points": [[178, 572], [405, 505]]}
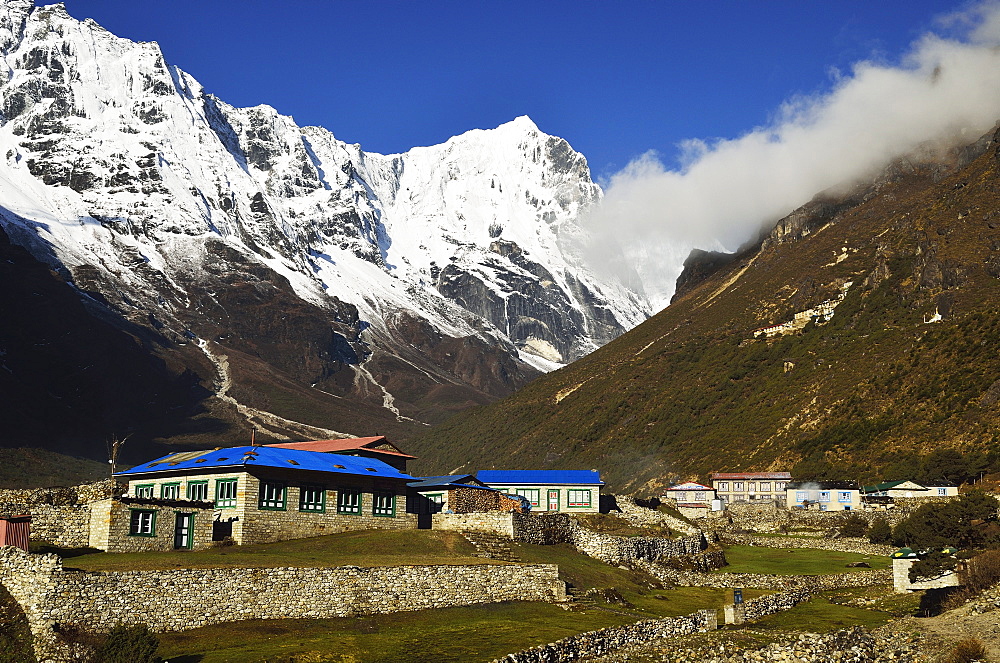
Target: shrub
{"points": [[128, 644], [854, 526], [983, 571], [880, 532], [967, 651]]}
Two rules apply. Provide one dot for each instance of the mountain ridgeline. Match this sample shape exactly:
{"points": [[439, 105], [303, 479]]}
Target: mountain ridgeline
{"points": [[243, 272], [908, 363]]}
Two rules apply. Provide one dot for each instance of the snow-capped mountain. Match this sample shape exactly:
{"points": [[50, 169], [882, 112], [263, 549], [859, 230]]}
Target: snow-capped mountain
{"points": [[233, 231]]}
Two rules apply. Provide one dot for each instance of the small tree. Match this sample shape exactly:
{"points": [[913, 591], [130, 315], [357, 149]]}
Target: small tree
{"points": [[854, 526], [128, 644], [880, 532]]}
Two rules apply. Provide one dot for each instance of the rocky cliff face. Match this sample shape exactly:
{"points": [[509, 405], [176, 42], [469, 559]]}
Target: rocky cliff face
{"points": [[442, 272]]}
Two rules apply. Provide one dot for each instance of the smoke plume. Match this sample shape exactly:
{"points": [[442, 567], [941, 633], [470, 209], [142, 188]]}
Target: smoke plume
{"points": [[946, 88]]}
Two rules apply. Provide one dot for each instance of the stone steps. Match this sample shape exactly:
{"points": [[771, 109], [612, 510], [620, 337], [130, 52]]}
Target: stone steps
{"points": [[491, 546]]}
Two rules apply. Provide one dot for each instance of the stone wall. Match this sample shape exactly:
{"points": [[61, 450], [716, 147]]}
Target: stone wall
{"points": [[595, 643], [180, 599], [642, 515], [855, 545], [59, 515], [552, 528], [684, 578]]}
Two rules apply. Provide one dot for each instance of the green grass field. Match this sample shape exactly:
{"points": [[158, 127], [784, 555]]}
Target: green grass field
{"points": [[362, 548], [795, 561], [869, 607]]}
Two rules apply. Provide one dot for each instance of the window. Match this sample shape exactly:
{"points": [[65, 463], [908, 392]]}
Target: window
{"points": [[680, 495], [824, 496], [724, 486], [779, 485], [144, 490], [801, 496], [312, 498], [699, 496], [198, 490], [942, 491], [349, 501], [383, 504], [170, 491], [272, 495], [530, 494], [579, 498], [752, 487], [765, 486], [142, 522], [844, 496], [225, 493], [737, 486]]}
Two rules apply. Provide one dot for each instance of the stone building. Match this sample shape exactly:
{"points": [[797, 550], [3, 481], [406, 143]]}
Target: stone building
{"points": [[908, 489], [904, 558], [255, 494], [570, 491], [823, 495], [750, 486], [457, 493]]}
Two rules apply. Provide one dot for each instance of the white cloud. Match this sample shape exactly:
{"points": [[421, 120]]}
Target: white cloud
{"points": [[726, 190]]}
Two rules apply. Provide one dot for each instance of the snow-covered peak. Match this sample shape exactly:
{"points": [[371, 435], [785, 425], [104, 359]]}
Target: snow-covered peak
{"points": [[111, 152]]}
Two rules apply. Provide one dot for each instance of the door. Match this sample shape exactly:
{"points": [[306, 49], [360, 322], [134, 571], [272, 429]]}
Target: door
{"points": [[182, 530], [553, 500]]}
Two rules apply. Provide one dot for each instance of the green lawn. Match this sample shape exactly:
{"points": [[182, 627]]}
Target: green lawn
{"points": [[840, 608], [447, 635], [795, 561], [362, 548]]}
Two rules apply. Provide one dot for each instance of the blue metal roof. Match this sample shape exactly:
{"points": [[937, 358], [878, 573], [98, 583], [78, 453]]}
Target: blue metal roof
{"points": [[550, 477], [243, 458], [447, 481]]}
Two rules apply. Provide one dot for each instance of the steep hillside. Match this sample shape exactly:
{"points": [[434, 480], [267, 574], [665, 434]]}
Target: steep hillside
{"points": [[692, 390]]}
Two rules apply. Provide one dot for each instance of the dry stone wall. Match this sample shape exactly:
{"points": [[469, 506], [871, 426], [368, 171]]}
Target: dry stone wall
{"points": [[641, 515], [684, 578], [596, 643], [180, 599], [854, 545], [59, 515]]}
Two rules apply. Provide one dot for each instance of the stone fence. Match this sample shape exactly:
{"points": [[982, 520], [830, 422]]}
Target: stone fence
{"points": [[683, 578], [596, 643], [56, 600], [549, 529], [59, 515], [607, 640], [854, 545], [641, 515]]}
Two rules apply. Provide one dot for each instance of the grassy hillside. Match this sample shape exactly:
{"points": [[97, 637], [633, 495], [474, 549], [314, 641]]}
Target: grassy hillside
{"points": [[863, 396]]}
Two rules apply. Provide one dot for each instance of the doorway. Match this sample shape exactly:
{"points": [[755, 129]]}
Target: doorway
{"points": [[553, 500], [183, 526]]}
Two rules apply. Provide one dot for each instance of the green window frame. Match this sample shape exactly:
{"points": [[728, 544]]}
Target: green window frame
{"points": [[533, 495], [142, 522], [349, 501], [579, 499], [170, 491], [272, 496], [197, 490], [225, 493], [312, 497], [384, 504], [144, 490]]}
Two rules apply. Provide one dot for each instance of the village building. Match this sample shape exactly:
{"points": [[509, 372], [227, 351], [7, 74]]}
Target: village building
{"points": [[904, 558], [566, 491], [823, 495], [750, 486], [456, 493], [693, 500], [254, 494]]}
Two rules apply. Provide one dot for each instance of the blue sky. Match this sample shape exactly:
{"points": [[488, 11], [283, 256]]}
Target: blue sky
{"points": [[616, 79]]}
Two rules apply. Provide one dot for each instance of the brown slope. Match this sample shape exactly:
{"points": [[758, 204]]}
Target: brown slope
{"points": [[689, 391]]}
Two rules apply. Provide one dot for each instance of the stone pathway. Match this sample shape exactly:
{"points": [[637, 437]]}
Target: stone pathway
{"points": [[491, 546]]}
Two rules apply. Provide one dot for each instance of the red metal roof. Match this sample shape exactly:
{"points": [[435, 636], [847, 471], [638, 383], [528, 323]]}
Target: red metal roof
{"points": [[726, 476], [345, 444]]}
